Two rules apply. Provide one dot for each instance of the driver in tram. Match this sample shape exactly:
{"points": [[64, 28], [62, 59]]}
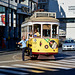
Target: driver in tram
{"points": [[36, 33]]}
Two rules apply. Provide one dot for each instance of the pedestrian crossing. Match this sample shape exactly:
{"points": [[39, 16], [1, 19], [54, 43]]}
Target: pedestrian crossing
{"points": [[38, 67]]}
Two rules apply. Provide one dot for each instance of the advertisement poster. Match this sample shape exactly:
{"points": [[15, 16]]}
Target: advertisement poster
{"points": [[2, 19]]}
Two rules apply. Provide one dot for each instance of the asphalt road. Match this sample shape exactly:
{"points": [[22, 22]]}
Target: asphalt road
{"points": [[11, 63]]}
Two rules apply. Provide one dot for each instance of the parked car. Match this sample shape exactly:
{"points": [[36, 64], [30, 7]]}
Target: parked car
{"points": [[68, 45]]}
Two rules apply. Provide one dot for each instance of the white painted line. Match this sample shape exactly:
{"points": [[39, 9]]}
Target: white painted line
{"points": [[15, 68], [49, 66], [25, 66], [9, 61], [58, 64], [70, 61], [13, 72], [29, 66], [6, 67], [64, 62], [14, 57], [67, 61]]}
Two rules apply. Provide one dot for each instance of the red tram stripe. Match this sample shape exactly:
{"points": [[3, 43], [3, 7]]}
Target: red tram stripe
{"points": [[43, 53]]}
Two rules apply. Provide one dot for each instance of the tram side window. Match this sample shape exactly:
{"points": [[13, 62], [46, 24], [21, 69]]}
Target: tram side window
{"points": [[54, 31], [46, 30], [30, 31], [25, 31], [37, 30]]}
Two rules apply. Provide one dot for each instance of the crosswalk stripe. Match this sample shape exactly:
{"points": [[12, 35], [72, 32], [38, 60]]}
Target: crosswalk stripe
{"points": [[13, 72], [15, 68], [49, 66], [64, 61], [29, 66], [9, 61], [57, 64], [70, 60], [25, 66]]}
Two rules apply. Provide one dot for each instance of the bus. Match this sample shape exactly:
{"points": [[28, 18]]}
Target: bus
{"points": [[43, 28]]}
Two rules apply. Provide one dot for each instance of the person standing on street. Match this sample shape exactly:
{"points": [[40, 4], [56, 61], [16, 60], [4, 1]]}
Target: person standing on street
{"points": [[24, 48]]}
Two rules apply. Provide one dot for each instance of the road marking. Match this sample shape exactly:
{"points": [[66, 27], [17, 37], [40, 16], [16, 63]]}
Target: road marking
{"points": [[6, 67], [14, 57], [63, 61], [58, 64], [21, 69], [9, 61], [25, 66], [70, 60], [29, 66], [13, 72], [49, 66], [36, 71]]}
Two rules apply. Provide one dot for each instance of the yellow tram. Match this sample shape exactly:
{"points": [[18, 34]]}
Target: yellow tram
{"points": [[45, 40]]}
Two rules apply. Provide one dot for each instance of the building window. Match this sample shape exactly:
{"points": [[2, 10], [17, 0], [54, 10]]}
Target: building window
{"points": [[14, 21], [9, 18], [21, 1], [42, 0], [24, 9], [67, 20], [2, 16]]}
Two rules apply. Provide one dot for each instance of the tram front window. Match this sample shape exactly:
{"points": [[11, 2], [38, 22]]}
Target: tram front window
{"points": [[46, 30], [37, 30]]}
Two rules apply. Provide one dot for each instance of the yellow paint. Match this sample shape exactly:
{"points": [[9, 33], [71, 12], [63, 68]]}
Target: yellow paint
{"points": [[42, 68], [35, 45], [35, 71]]}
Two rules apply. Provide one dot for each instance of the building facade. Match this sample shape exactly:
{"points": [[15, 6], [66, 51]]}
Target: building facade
{"points": [[12, 14], [65, 12], [43, 4]]}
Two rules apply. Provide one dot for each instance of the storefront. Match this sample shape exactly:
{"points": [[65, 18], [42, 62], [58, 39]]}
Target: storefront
{"points": [[12, 14], [8, 27]]}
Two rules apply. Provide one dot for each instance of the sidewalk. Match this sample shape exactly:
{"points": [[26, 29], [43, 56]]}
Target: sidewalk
{"points": [[8, 50]]}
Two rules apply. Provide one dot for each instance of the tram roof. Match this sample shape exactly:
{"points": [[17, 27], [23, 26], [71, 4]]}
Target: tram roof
{"points": [[40, 19]]}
